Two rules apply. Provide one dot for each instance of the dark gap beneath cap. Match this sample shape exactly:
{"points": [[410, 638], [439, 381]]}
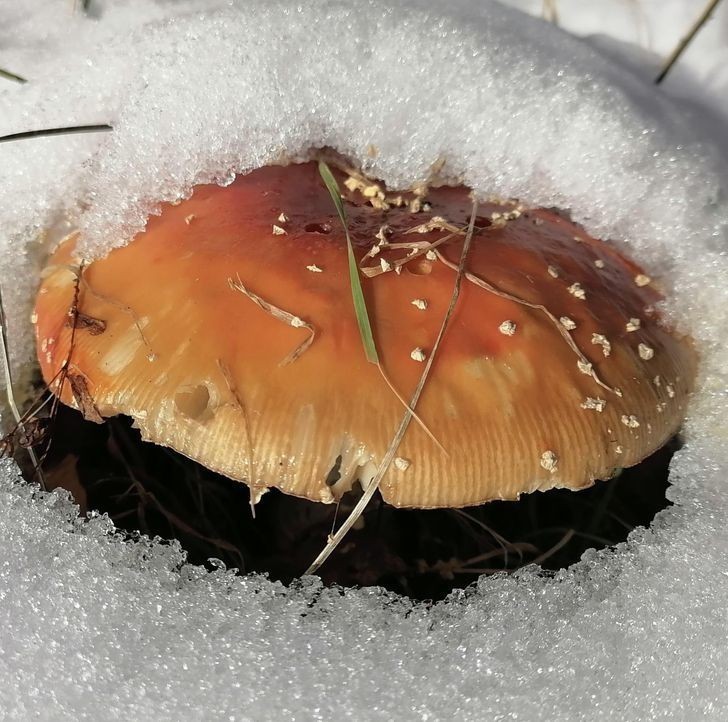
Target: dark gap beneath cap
{"points": [[423, 554]]}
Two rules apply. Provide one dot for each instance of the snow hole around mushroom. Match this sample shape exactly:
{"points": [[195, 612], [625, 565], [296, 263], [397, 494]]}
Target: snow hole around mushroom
{"points": [[122, 325], [153, 636]]}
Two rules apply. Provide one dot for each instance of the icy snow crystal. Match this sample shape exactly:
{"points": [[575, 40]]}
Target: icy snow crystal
{"points": [[94, 627]]}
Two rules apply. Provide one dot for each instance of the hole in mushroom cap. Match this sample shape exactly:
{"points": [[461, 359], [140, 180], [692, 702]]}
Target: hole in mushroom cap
{"points": [[193, 402], [421, 267], [323, 228], [424, 554], [335, 473]]}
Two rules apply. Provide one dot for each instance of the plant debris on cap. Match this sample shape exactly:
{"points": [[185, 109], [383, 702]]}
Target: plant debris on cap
{"points": [[219, 341]]}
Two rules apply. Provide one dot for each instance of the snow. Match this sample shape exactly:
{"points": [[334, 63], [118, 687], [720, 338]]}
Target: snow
{"points": [[654, 27], [97, 627]]}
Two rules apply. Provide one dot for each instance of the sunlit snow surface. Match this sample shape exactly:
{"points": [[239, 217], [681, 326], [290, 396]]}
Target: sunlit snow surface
{"points": [[654, 26], [95, 628]]}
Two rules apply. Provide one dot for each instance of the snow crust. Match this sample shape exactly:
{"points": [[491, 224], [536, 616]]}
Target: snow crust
{"points": [[94, 627]]}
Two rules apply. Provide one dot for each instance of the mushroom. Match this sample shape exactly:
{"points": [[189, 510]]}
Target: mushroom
{"points": [[226, 331]]}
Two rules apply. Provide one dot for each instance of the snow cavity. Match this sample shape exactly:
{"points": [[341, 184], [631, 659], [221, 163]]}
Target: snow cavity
{"points": [[198, 91]]}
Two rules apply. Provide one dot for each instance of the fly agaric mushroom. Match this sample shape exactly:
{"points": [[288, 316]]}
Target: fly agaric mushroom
{"points": [[226, 331]]}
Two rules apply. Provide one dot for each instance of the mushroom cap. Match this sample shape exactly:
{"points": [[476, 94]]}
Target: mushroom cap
{"points": [[163, 337]]}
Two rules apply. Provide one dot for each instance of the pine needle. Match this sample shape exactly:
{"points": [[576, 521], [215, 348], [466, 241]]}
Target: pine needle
{"points": [[12, 76], [358, 510], [45, 132], [682, 46]]}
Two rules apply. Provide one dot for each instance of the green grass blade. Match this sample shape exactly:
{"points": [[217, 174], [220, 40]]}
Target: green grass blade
{"points": [[357, 294], [12, 76]]}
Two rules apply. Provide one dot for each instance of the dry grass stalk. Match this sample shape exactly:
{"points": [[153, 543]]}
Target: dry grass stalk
{"points": [[30, 420], [255, 491], [20, 422], [416, 249], [281, 315], [550, 552], [550, 12], [99, 326], [360, 306], [371, 489], [683, 45], [563, 332]]}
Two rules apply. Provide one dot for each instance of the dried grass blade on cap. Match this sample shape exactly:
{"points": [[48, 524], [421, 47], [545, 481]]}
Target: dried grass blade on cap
{"points": [[281, 315], [481, 283]]}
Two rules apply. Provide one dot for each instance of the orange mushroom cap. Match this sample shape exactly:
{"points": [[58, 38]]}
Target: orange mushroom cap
{"points": [[555, 369]]}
